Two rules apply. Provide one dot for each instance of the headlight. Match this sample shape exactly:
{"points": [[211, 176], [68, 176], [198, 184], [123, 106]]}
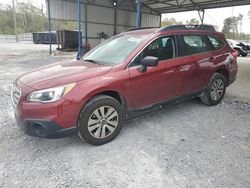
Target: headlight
{"points": [[51, 94]]}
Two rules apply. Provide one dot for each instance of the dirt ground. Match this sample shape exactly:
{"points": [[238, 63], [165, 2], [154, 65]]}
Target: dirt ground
{"points": [[189, 145]]}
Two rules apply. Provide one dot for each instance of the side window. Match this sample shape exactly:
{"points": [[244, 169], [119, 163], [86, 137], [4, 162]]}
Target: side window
{"points": [[193, 44], [163, 48], [217, 43]]}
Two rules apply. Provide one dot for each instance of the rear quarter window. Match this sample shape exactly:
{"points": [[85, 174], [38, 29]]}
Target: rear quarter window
{"points": [[194, 44], [217, 43]]}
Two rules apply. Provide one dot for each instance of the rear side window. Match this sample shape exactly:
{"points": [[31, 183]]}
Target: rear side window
{"points": [[217, 43], [194, 44]]}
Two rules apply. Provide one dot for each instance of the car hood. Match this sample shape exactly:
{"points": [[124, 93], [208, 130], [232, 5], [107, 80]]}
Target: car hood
{"points": [[61, 73]]}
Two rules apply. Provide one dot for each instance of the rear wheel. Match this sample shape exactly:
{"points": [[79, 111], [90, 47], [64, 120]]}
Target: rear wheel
{"points": [[100, 120], [243, 54], [216, 90]]}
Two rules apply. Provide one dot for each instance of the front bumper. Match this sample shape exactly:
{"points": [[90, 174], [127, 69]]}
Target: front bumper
{"points": [[50, 120], [43, 128]]}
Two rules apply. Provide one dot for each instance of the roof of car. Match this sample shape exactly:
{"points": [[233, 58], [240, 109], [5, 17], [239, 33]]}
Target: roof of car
{"points": [[142, 31]]}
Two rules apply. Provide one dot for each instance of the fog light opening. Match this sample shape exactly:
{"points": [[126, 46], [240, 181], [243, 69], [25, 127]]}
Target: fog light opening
{"points": [[39, 130]]}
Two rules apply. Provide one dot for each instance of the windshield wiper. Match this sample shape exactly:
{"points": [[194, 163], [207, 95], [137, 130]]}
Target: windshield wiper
{"points": [[92, 61], [89, 60]]}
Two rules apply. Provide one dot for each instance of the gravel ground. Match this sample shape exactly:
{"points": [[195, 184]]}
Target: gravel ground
{"points": [[188, 145], [240, 90]]}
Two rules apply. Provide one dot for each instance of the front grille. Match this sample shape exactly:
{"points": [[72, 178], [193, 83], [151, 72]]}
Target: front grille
{"points": [[15, 95]]}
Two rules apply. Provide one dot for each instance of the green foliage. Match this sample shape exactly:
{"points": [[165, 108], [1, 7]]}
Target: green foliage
{"points": [[231, 24], [193, 21], [169, 21], [235, 36], [60, 24], [231, 28], [29, 19], [4, 19], [173, 21]]}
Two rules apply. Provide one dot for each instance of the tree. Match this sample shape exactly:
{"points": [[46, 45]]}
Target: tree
{"points": [[170, 21], [231, 25], [240, 18], [29, 19], [227, 27], [193, 21]]}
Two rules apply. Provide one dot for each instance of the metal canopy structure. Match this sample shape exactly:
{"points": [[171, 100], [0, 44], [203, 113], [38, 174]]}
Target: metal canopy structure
{"points": [[172, 6]]}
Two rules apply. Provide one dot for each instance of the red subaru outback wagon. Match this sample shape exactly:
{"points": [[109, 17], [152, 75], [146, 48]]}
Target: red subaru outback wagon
{"points": [[131, 73]]}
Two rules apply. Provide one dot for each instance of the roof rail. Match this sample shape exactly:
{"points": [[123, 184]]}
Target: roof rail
{"points": [[140, 28], [188, 27]]}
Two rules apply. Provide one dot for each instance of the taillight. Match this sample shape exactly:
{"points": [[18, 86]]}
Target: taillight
{"points": [[235, 54]]}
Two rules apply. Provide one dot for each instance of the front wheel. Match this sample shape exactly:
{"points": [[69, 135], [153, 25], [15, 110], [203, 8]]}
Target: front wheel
{"points": [[100, 120], [216, 90]]}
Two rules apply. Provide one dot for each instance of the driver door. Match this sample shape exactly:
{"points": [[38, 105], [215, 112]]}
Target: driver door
{"points": [[158, 83]]}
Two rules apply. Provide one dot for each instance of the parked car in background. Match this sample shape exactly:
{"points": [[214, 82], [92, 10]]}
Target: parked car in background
{"points": [[129, 74], [241, 48], [245, 46]]}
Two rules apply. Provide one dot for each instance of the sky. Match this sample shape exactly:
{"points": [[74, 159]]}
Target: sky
{"points": [[212, 16], [216, 16]]}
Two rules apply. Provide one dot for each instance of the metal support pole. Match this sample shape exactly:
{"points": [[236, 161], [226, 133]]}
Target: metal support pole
{"points": [[49, 26], [14, 17], [115, 19], [80, 48], [138, 14], [115, 4], [86, 24], [160, 20], [201, 16]]}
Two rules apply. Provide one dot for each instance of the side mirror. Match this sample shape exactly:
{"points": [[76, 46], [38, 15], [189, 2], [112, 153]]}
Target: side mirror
{"points": [[148, 61]]}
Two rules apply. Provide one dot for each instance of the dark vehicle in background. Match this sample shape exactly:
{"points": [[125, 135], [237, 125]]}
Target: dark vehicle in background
{"points": [[129, 74], [245, 46], [242, 48], [67, 40], [43, 37]]}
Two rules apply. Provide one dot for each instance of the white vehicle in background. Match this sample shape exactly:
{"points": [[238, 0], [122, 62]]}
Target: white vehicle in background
{"points": [[240, 47]]}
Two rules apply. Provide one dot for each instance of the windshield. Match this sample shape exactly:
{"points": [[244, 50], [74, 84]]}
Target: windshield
{"points": [[114, 50]]}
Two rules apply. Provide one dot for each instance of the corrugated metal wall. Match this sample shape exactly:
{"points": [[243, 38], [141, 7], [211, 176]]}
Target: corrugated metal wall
{"points": [[100, 16]]}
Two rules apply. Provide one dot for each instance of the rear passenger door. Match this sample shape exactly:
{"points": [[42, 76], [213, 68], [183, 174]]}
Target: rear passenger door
{"points": [[196, 56]]}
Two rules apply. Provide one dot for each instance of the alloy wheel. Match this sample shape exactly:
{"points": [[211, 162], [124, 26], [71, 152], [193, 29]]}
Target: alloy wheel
{"points": [[217, 89], [103, 122]]}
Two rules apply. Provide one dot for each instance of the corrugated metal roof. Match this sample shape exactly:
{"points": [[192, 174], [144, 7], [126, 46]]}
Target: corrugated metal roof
{"points": [[167, 6], [170, 6]]}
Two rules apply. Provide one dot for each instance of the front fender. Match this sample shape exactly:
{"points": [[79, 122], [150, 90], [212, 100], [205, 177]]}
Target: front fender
{"points": [[86, 89]]}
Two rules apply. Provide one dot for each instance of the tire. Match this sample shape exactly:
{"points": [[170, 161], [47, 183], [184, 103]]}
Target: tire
{"points": [[100, 120], [215, 91], [243, 54]]}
